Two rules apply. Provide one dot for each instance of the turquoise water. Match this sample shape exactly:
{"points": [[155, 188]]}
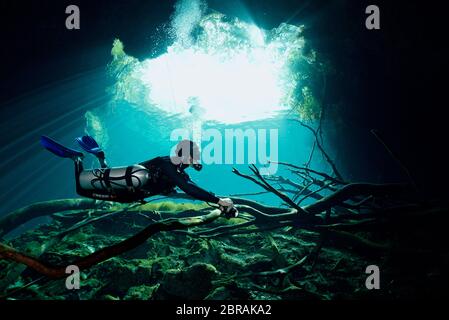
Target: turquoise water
{"points": [[217, 73], [127, 144]]}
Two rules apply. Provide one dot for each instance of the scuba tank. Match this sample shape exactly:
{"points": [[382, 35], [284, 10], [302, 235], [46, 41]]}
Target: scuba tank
{"points": [[114, 180]]}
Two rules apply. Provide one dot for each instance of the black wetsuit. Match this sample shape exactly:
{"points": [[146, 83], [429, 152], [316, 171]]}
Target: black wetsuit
{"points": [[164, 177]]}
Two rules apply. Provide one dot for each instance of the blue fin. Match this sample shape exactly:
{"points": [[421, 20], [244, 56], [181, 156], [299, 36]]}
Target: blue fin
{"points": [[58, 149], [90, 145]]}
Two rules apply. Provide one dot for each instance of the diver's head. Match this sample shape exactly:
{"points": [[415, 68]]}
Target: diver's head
{"points": [[188, 154]]}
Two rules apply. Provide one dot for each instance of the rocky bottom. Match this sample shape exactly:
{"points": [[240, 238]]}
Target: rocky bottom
{"points": [[175, 265]]}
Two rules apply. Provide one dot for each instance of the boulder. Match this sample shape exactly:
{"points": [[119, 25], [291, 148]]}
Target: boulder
{"points": [[193, 283], [142, 292]]}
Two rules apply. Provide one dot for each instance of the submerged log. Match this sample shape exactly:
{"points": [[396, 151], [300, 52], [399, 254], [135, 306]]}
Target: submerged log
{"points": [[41, 209], [101, 255]]}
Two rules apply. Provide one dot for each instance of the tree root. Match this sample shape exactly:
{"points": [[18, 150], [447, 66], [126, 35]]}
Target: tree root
{"points": [[261, 218], [40, 209], [356, 189], [101, 255]]}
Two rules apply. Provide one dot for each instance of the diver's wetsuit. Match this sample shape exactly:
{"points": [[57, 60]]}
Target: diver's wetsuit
{"points": [[167, 176], [162, 178]]}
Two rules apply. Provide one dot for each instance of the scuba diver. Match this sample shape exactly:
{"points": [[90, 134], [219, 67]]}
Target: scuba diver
{"points": [[134, 183]]}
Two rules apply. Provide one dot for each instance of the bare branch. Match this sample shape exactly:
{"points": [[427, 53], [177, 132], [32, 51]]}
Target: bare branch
{"points": [[352, 190], [318, 143], [45, 208], [322, 174], [268, 187], [395, 157], [101, 255]]}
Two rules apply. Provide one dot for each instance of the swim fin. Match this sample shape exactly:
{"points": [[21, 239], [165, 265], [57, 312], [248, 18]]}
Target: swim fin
{"points": [[90, 145], [58, 149]]}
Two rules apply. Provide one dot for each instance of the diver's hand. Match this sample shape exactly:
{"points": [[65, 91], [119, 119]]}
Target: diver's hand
{"points": [[225, 203], [227, 206]]}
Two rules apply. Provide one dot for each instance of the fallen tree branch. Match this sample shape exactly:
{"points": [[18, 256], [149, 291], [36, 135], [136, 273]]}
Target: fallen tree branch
{"points": [[278, 272], [245, 231], [320, 147], [322, 174], [313, 193], [90, 220], [241, 201], [264, 184], [301, 189], [355, 189], [40, 209], [101, 255], [223, 228], [395, 158]]}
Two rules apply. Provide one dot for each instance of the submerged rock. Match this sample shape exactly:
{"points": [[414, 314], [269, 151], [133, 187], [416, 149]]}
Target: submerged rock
{"points": [[174, 265], [230, 291], [193, 283], [142, 292]]}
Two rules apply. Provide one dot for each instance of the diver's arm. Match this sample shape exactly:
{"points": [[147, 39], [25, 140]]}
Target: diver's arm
{"points": [[188, 186], [198, 193]]}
